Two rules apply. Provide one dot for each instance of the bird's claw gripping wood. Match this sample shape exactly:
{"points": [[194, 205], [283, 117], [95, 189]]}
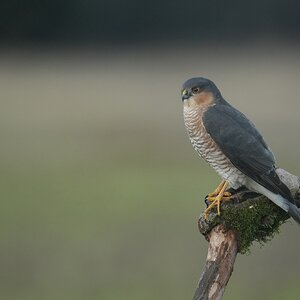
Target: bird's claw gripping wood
{"points": [[212, 196], [216, 197], [226, 196]]}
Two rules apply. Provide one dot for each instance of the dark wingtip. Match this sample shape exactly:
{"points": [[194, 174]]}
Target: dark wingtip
{"points": [[294, 212]]}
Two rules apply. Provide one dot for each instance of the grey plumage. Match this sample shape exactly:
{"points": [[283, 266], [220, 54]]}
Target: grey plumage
{"points": [[207, 148], [250, 161], [239, 140]]}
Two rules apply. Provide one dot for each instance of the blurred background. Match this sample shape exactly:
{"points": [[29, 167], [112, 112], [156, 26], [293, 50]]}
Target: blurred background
{"points": [[100, 187]]}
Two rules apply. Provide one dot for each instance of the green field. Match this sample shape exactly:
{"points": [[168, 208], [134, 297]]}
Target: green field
{"points": [[100, 186]]}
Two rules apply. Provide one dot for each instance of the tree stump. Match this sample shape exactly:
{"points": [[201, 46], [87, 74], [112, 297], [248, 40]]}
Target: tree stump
{"points": [[247, 218]]}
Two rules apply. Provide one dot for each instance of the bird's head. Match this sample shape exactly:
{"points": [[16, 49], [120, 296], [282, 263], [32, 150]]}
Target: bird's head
{"points": [[199, 91]]}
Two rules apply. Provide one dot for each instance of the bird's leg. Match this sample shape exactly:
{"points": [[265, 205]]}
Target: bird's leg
{"points": [[216, 201], [217, 190], [211, 196]]}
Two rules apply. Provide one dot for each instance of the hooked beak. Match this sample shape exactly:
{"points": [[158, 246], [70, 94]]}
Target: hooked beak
{"points": [[185, 94]]}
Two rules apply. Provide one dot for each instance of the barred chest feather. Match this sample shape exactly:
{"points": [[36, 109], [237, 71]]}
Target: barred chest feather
{"points": [[208, 149]]}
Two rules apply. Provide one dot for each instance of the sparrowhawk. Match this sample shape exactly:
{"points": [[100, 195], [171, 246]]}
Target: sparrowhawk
{"points": [[231, 144]]}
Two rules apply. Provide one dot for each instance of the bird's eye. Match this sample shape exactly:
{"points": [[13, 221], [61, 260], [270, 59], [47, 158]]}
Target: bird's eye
{"points": [[196, 90]]}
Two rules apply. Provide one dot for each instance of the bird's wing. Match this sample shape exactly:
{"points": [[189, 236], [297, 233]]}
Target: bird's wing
{"points": [[240, 141]]}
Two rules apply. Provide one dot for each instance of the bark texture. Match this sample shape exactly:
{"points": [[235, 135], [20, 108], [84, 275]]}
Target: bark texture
{"points": [[223, 248]]}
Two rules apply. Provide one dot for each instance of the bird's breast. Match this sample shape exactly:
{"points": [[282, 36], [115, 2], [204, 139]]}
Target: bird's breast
{"points": [[207, 148]]}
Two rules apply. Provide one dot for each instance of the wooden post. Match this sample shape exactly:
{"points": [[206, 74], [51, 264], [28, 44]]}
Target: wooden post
{"points": [[222, 251], [249, 217]]}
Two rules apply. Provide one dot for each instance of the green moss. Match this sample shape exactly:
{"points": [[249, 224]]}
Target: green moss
{"points": [[254, 220]]}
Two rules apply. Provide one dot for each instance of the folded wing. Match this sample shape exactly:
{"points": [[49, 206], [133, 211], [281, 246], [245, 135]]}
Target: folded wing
{"points": [[240, 141]]}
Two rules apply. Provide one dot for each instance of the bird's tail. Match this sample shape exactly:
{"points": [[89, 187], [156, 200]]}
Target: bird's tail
{"points": [[286, 205], [294, 212], [280, 194]]}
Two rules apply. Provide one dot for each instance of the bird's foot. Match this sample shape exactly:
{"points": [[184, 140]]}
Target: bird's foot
{"points": [[216, 199], [211, 198], [217, 190]]}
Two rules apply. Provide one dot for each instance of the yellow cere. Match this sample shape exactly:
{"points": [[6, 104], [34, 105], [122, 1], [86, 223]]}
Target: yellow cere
{"points": [[184, 92]]}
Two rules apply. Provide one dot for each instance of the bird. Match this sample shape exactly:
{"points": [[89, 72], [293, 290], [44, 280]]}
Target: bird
{"points": [[230, 143]]}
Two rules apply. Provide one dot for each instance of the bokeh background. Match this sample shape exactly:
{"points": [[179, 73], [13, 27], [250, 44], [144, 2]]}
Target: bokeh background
{"points": [[100, 187]]}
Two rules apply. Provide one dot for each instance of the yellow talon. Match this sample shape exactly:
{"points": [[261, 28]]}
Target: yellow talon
{"points": [[212, 199], [216, 201], [217, 190]]}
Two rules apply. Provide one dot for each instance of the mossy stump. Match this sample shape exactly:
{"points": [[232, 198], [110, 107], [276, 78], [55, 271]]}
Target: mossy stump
{"points": [[247, 218], [252, 217]]}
